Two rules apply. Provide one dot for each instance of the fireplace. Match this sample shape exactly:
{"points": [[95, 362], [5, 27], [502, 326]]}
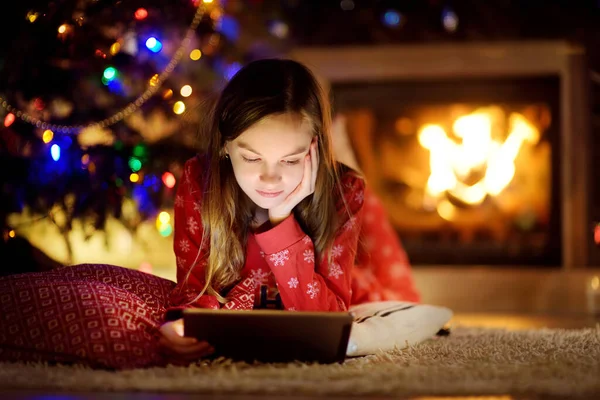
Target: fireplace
{"points": [[468, 169], [478, 151]]}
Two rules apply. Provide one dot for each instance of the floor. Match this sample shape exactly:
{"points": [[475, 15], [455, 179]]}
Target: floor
{"points": [[487, 320]]}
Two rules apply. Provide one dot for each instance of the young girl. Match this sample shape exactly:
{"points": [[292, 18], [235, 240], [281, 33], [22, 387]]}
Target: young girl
{"points": [[267, 218]]}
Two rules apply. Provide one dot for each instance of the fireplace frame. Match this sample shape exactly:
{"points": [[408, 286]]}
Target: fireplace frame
{"points": [[352, 64]]}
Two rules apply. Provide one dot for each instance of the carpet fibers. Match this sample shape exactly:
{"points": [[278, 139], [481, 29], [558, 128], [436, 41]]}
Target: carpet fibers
{"points": [[470, 361]]}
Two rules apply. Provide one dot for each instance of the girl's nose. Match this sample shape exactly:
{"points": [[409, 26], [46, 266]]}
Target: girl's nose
{"points": [[270, 175]]}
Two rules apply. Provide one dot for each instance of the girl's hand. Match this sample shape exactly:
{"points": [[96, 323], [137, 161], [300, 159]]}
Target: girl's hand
{"points": [[184, 348], [303, 190]]}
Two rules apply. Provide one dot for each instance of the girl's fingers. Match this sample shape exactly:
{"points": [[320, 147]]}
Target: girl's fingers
{"points": [[196, 349]]}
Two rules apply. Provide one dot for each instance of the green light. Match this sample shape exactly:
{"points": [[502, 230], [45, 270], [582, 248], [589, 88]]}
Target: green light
{"points": [[110, 73], [119, 182], [165, 230], [139, 151], [135, 164]]}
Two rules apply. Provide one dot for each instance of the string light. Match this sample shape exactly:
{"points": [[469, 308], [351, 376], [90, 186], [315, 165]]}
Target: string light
{"points": [[127, 110], [153, 44], [47, 136], [32, 16], [168, 179], [140, 14], [195, 54], [55, 152], [179, 107], [153, 80], [9, 119], [134, 177], [186, 91], [115, 48]]}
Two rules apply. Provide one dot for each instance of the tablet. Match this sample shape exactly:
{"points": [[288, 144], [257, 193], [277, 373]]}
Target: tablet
{"points": [[272, 335]]}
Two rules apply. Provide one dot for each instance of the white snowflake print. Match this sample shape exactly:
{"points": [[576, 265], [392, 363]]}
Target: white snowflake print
{"points": [[350, 223], [337, 250], [398, 270], [292, 309], [198, 208], [280, 257], [335, 271], [387, 250], [180, 262], [258, 277], [293, 283], [192, 225], [360, 197], [178, 201], [184, 245], [306, 240], [313, 289], [262, 254], [309, 256]]}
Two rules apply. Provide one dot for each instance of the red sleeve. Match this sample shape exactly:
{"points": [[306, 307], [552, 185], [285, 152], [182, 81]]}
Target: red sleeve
{"points": [[383, 270], [187, 239], [290, 255]]}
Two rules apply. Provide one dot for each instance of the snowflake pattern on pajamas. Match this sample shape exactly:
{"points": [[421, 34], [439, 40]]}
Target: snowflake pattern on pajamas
{"points": [[293, 283], [184, 246], [192, 225], [280, 257], [335, 270], [337, 251], [309, 256], [313, 289], [258, 277]]}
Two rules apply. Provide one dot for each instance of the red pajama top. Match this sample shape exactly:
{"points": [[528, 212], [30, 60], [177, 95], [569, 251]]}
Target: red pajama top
{"points": [[280, 269]]}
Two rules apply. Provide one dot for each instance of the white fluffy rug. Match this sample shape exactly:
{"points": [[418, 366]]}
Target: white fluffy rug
{"points": [[471, 361]]}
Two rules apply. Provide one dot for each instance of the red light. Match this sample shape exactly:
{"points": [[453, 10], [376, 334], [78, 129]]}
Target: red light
{"points": [[9, 119], [597, 234], [168, 179], [140, 14]]}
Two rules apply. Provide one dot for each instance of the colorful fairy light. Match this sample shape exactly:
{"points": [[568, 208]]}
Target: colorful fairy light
{"points": [[55, 152], [168, 179], [186, 91], [47, 136], [153, 44], [9, 119], [135, 164], [195, 55], [110, 73], [179, 107], [140, 14], [134, 177]]}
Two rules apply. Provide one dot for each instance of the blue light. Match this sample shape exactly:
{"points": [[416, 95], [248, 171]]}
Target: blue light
{"points": [[55, 152], [391, 18], [229, 27], [153, 44], [231, 70]]}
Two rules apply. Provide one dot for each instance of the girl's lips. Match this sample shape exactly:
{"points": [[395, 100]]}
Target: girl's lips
{"points": [[269, 194]]}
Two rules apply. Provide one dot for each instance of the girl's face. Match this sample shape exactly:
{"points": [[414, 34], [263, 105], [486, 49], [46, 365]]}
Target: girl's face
{"points": [[268, 158]]}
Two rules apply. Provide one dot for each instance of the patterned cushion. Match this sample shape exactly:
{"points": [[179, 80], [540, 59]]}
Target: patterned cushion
{"points": [[100, 315]]}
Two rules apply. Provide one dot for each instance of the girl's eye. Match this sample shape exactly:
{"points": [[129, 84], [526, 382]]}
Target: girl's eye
{"points": [[291, 162], [251, 160]]}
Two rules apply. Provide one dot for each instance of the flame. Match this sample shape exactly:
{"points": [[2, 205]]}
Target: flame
{"points": [[451, 162]]}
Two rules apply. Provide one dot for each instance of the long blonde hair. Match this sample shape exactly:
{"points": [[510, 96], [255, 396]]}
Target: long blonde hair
{"points": [[260, 89]]}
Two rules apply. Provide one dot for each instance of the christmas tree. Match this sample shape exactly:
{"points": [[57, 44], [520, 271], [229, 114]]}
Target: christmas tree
{"points": [[101, 102]]}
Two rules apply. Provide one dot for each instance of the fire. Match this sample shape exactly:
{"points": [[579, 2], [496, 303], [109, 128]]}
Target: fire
{"points": [[452, 162]]}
